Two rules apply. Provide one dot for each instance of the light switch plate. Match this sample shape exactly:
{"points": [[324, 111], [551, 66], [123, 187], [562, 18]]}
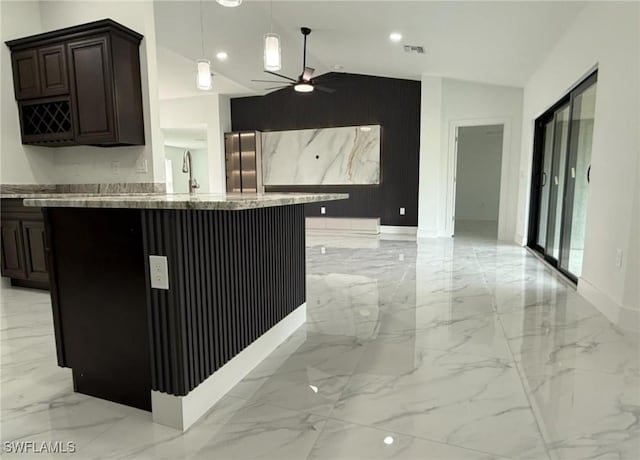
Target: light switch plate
{"points": [[323, 210], [402, 211], [159, 272]]}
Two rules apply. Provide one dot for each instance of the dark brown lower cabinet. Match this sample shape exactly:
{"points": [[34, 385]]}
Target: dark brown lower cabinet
{"points": [[24, 256], [12, 252], [34, 251]]}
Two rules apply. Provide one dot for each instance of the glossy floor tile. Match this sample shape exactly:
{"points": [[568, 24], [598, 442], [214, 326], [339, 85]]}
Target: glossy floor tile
{"points": [[460, 348]]}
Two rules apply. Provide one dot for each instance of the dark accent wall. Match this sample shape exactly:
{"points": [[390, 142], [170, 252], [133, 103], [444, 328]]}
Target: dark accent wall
{"points": [[234, 275], [358, 100]]}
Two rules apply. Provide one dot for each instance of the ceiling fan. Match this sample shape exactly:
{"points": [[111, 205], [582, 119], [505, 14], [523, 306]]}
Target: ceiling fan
{"points": [[304, 83]]}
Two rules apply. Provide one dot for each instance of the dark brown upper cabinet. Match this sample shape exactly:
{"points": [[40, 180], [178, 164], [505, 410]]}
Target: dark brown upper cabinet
{"points": [[79, 86], [52, 62], [26, 81]]}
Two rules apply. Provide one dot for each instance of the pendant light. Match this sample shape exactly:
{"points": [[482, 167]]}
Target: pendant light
{"points": [[272, 54], [204, 74], [203, 79]]}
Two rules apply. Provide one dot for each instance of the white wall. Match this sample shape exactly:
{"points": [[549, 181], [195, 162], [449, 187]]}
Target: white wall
{"points": [[18, 164], [605, 34], [478, 168], [429, 188], [80, 164], [447, 104], [212, 110]]}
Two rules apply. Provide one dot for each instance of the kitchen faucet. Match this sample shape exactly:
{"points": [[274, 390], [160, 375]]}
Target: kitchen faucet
{"points": [[187, 167]]}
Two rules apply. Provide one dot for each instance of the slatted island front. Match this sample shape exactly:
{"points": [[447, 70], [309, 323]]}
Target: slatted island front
{"points": [[164, 302]]}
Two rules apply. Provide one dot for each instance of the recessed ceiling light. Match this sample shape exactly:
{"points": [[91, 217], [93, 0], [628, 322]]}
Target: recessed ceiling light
{"points": [[388, 440], [395, 37], [230, 3], [222, 56]]}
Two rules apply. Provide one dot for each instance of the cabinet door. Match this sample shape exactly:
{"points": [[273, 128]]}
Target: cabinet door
{"points": [[90, 71], [34, 251], [26, 80], [12, 250], [53, 70]]}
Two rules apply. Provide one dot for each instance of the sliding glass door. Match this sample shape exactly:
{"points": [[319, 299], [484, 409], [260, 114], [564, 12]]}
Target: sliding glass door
{"points": [[583, 111], [556, 195], [561, 176], [545, 184]]}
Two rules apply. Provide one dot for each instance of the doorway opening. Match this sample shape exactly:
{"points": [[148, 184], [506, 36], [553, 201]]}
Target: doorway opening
{"points": [[478, 169]]}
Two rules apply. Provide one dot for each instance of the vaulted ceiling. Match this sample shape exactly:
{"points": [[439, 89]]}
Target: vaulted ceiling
{"points": [[491, 42]]}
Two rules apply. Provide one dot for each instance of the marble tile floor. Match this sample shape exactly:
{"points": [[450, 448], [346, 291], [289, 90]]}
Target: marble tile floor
{"points": [[460, 348]]}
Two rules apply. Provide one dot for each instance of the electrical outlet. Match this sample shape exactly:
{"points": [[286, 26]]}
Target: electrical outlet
{"points": [[159, 272], [76, 169], [402, 211], [115, 168], [323, 210], [142, 167], [323, 250], [619, 258], [401, 257]]}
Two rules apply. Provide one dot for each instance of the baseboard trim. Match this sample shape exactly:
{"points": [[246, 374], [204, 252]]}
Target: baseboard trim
{"points": [[422, 233], [355, 225], [181, 412], [623, 317], [398, 230]]}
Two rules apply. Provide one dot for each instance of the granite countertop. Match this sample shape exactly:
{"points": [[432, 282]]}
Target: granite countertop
{"points": [[230, 201], [45, 190]]}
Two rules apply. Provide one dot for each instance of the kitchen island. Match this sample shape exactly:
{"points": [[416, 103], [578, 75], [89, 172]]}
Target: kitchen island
{"points": [[164, 302]]}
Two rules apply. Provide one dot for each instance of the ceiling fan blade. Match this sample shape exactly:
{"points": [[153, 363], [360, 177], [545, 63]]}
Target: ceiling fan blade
{"points": [[276, 87], [324, 89], [307, 73], [267, 81], [281, 76]]}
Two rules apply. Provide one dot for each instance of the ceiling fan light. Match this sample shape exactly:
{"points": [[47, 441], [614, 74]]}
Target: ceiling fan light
{"points": [[272, 55], [203, 78], [229, 3], [303, 87]]}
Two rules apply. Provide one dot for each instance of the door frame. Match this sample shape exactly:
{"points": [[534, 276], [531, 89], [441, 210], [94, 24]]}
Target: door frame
{"points": [[452, 162]]}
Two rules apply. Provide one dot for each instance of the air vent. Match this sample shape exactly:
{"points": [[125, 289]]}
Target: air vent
{"points": [[414, 49]]}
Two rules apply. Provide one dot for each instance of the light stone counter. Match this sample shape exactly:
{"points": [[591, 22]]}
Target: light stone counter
{"points": [[28, 190], [230, 201]]}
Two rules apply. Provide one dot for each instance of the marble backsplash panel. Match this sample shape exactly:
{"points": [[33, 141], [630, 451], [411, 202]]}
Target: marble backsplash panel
{"points": [[327, 156]]}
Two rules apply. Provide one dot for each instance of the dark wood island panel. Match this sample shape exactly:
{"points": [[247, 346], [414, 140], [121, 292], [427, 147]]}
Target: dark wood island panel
{"points": [[99, 299], [236, 274], [232, 276]]}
